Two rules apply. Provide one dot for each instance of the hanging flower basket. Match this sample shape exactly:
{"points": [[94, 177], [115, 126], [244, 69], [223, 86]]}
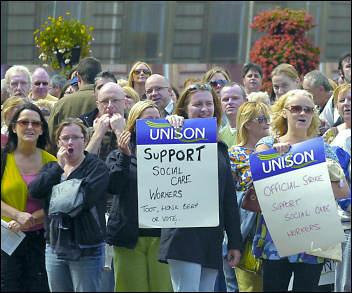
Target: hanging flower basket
{"points": [[62, 42]]}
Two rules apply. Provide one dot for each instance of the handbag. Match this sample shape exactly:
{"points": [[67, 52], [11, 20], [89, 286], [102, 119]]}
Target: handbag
{"points": [[248, 262], [250, 201], [67, 198]]}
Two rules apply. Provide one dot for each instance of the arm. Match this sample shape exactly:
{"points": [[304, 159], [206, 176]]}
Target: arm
{"points": [[118, 162], [95, 182], [49, 175], [26, 220]]}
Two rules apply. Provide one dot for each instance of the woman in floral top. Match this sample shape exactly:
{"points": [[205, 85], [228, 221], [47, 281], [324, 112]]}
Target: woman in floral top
{"points": [[294, 120], [252, 124]]}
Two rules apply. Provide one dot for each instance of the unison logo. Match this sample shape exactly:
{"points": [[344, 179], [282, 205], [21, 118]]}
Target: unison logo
{"points": [[161, 131], [275, 162]]}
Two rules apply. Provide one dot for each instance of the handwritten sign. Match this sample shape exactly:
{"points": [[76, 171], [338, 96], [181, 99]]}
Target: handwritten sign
{"points": [[296, 197], [177, 174]]}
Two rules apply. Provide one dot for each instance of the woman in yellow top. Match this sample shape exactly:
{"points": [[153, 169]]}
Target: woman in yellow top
{"points": [[24, 270]]}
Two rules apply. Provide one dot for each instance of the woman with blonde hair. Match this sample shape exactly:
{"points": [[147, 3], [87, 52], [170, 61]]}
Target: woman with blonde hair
{"points": [[45, 106], [195, 268], [131, 98], [139, 73], [135, 249], [252, 124], [284, 78], [294, 120], [217, 77]]}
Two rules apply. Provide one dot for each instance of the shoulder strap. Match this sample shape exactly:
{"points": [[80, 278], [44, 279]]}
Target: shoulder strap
{"points": [[3, 162]]}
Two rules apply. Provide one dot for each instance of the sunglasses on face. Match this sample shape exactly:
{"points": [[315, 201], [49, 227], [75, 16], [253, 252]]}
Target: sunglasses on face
{"points": [[39, 82], [25, 123], [215, 83], [138, 71], [298, 109], [262, 120]]}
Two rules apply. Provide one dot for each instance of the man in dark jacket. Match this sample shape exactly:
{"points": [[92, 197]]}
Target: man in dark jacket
{"points": [[77, 103]]}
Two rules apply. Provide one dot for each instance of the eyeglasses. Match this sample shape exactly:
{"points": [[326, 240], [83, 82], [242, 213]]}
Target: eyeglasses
{"points": [[74, 138], [112, 101], [215, 83], [25, 123], [156, 89], [45, 112], [262, 119], [298, 109], [138, 71], [204, 86], [38, 83]]}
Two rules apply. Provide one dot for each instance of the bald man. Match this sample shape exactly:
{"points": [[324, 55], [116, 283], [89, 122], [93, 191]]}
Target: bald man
{"points": [[109, 122], [158, 89], [40, 86]]}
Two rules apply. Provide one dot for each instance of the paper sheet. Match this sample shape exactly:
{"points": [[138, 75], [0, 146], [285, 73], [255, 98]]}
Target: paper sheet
{"points": [[10, 240]]}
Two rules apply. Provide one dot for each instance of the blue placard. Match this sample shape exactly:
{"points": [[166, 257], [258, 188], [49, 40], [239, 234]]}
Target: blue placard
{"points": [[300, 155], [159, 131]]}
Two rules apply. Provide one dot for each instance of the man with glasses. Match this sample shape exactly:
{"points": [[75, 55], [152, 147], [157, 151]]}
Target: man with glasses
{"points": [[158, 89], [18, 80], [40, 86]]}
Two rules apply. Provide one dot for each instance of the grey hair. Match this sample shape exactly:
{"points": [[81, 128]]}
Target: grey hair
{"points": [[318, 79]]}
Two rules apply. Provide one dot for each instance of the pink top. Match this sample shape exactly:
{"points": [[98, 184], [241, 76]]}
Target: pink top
{"points": [[33, 204]]}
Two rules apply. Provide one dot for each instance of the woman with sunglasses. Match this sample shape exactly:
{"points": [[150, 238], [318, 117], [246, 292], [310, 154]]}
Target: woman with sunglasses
{"points": [[217, 77], [252, 124], [194, 255], [139, 73], [24, 155], [294, 120], [74, 253]]}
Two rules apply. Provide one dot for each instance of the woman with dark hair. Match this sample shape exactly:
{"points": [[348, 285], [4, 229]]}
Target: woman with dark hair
{"points": [[24, 153], [137, 77], [74, 253]]}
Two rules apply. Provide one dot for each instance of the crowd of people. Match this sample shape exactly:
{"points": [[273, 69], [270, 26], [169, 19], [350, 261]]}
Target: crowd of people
{"points": [[82, 131]]}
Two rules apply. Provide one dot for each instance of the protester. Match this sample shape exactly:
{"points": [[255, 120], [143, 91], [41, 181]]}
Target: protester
{"points": [[342, 100], [135, 249], [45, 107], [24, 153], [252, 76], [78, 103], [131, 98], [5, 94], [194, 267], [252, 124], [159, 90], [294, 120], [232, 96], [18, 80], [259, 97], [340, 138], [330, 113], [217, 77], [40, 86], [74, 263], [284, 78], [57, 82], [137, 77]]}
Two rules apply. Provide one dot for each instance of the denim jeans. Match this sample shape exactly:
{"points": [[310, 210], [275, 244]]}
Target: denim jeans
{"points": [[343, 269], [83, 275], [191, 277], [24, 270], [277, 275]]}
